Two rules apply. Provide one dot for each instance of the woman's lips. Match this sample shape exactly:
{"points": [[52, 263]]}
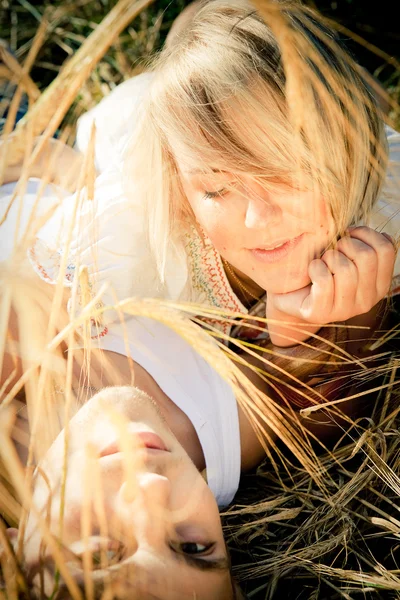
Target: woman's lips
{"points": [[145, 439], [276, 254]]}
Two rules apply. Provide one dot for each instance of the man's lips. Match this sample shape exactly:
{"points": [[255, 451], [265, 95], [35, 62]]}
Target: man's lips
{"points": [[144, 439]]}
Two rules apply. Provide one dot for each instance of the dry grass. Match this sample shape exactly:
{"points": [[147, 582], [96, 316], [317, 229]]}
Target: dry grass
{"points": [[310, 523], [66, 28], [344, 543]]}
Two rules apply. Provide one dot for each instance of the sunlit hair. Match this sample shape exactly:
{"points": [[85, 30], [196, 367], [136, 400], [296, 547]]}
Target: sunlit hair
{"points": [[272, 97]]}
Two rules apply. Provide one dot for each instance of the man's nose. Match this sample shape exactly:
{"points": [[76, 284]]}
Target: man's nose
{"points": [[260, 211], [154, 488], [143, 509]]}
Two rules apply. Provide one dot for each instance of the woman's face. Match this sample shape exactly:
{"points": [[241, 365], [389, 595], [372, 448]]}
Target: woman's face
{"points": [[135, 507], [269, 237]]}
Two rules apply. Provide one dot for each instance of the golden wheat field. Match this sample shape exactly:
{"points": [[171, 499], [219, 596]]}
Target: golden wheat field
{"points": [[313, 521]]}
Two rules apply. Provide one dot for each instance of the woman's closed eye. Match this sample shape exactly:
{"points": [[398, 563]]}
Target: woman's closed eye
{"points": [[209, 195], [230, 185]]}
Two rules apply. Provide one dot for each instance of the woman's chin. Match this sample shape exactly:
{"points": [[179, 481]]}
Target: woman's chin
{"points": [[287, 286]]}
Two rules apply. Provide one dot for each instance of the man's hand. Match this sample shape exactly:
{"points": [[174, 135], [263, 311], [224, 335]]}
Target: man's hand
{"points": [[345, 282]]}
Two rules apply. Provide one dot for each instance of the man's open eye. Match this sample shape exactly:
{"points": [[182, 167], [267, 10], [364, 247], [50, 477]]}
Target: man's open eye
{"points": [[221, 192], [193, 548]]}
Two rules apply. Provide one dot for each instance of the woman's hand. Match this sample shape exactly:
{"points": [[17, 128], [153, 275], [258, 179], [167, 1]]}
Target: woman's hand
{"points": [[345, 282]]}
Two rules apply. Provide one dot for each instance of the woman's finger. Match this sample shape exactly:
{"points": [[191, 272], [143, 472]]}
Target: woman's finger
{"points": [[345, 279], [386, 255], [365, 259], [291, 302], [317, 306]]}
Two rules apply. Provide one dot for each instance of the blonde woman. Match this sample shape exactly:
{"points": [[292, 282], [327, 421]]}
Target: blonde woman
{"points": [[255, 173]]}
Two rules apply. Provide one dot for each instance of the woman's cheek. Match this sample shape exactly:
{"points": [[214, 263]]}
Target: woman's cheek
{"points": [[324, 219], [213, 218]]}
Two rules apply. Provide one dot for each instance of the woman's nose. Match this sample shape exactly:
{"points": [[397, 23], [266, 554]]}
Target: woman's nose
{"points": [[260, 212]]}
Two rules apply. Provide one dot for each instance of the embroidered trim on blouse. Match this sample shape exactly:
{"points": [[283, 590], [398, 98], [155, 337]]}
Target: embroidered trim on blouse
{"points": [[52, 260], [208, 275]]}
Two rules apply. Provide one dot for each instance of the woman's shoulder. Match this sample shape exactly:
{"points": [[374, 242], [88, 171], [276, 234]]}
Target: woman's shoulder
{"points": [[115, 118], [108, 235]]}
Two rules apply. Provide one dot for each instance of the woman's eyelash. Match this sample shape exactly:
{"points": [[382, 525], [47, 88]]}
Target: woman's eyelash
{"points": [[220, 192]]}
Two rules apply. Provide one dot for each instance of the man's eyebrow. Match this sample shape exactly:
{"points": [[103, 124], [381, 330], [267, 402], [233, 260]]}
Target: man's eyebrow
{"points": [[202, 564], [217, 564]]}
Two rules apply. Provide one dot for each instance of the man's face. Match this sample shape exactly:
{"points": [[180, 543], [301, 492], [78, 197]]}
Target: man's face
{"points": [[138, 517]]}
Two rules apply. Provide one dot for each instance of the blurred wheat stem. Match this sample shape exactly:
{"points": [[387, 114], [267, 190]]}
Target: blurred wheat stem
{"points": [[230, 316], [305, 412], [23, 83], [249, 397], [12, 71], [170, 314], [87, 168], [48, 111], [252, 400]]}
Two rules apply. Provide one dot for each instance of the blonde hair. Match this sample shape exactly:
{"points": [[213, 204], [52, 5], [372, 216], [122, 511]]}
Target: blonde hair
{"points": [[272, 96]]}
